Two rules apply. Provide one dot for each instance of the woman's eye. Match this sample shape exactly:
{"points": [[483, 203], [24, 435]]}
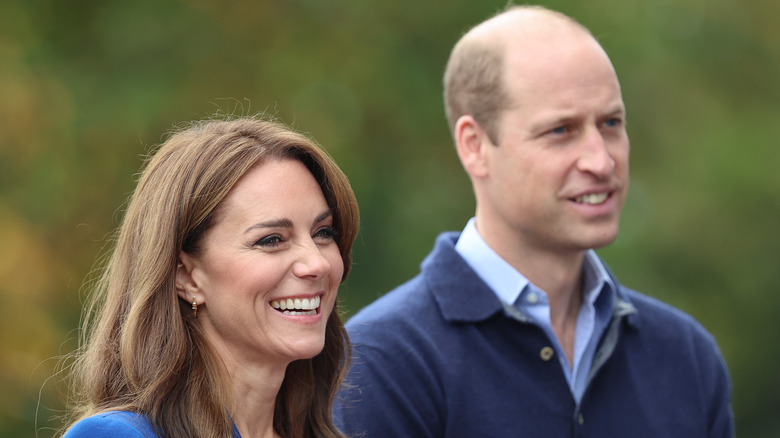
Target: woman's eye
{"points": [[326, 233], [269, 241]]}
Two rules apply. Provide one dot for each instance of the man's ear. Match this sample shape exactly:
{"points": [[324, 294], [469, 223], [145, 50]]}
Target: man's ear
{"points": [[471, 142], [186, 286]]}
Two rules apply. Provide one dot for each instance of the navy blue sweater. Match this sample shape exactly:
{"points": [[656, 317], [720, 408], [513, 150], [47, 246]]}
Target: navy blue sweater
{"points": [[441, 356]]}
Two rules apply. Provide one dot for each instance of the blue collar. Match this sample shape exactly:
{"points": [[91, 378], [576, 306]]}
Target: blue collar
{"points": [[463, 296]]}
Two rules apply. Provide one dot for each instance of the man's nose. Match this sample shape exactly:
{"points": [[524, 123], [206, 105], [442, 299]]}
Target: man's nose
{"points": [[595, 157]]}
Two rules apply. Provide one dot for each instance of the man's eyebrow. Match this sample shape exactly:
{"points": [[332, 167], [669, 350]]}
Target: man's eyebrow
{"points": [[617, 108], [548, 122], [274, 223], [565, 117]]}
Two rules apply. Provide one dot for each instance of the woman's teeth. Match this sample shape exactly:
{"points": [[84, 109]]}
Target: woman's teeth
{"points": [[297, 306]]}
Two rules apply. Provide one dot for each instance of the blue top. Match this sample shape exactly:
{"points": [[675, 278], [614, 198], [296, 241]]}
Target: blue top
{"points": [[512, 287], [117, 424], [442, 356]]}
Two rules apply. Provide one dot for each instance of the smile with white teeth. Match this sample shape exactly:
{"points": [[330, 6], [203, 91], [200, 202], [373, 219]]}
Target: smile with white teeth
{"points": [[592, 198], [297, 306]]}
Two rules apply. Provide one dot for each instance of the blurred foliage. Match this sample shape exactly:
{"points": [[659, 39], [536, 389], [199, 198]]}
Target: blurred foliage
{"points": [[89, 86]]}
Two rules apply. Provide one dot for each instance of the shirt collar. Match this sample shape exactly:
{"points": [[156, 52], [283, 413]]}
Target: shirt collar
{"points": [[596, 279], [463, 296], [507, 283], [502, 278], [460, 294]]}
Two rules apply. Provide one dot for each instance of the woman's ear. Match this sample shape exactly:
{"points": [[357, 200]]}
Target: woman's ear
{"points": [[186, 286], [471, 141]]}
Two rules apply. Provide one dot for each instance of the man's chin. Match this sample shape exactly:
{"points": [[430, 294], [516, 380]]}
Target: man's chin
{"points": [[600, 237]]}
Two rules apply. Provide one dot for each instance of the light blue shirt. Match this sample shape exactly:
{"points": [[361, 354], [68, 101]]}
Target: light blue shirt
{"points": [[513, 288]]}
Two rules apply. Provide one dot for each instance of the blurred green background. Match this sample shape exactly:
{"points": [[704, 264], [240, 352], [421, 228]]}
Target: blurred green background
{"points": [[87, 87]]}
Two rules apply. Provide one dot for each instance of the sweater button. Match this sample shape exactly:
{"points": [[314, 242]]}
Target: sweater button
{"points": [[581, 419], [546, 353]]}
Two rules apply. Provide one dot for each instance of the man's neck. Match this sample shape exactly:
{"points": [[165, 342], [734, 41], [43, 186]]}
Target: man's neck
{"points": [[557, 272], [561, 280]]}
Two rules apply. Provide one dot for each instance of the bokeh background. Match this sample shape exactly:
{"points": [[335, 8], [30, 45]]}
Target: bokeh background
{"points": [[87, 87]]}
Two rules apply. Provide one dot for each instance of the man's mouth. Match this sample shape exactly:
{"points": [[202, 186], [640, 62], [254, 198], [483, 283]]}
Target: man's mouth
{"points": [[592, 198], [297, 306]]}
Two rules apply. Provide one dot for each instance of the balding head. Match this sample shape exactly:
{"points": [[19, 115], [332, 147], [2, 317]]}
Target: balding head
{"points": [[474, 80]]}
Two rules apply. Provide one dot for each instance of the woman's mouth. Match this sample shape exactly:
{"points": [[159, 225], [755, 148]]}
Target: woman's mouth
{"points": [[297, 306]]}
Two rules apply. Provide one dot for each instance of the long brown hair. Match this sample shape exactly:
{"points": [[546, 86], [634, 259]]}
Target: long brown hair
{"points": [[141, 350]]}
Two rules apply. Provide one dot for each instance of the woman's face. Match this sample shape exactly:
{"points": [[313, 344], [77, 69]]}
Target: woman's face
{"points": [[269, 270]]}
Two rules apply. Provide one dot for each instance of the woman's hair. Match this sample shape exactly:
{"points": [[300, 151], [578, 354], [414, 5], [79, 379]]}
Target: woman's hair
{"points": [[141, 349]]}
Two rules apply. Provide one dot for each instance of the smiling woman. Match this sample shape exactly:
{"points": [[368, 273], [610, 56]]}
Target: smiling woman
{"points": [[216, 312], [272, 239]]}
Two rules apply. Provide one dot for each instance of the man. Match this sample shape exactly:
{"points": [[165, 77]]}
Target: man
{"points": [[515, 327]]}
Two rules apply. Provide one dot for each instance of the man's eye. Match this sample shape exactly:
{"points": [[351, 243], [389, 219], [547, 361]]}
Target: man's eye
{"points": [[613, 122], [559, 130]]}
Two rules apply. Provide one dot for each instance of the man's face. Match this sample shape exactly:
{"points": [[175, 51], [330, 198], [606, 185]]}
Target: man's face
{"points": [[558, 178]]}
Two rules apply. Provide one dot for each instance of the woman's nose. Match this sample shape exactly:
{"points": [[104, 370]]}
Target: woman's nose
{"points": [[311, 263]]}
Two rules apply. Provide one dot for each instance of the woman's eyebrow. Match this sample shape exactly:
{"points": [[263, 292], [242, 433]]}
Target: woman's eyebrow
{"points": [[274, 223], [322, 216], [286, 223]]}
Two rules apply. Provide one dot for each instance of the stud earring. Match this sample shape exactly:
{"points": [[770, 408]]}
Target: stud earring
{"points": [[194, 307]]}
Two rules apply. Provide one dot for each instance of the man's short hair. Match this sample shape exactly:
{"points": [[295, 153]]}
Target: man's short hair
{"points": [[473, 78], [473, 84]]}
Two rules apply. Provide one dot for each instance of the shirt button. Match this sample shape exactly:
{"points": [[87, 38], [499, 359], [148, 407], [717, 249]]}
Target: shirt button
{"points": [[546, 353], [532, 298], [581, 420]]}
